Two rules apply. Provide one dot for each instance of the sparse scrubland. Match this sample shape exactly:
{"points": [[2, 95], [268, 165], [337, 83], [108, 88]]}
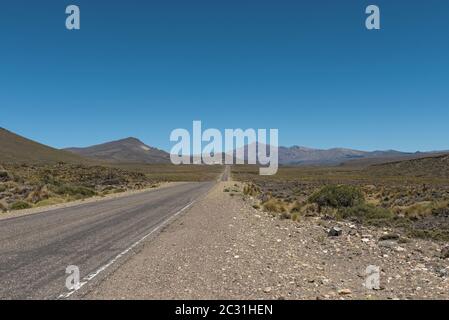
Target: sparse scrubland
{"points": [[24, 186], [410, 196]]}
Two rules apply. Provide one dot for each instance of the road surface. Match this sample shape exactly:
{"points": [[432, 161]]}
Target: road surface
{"points": [[36, 249]]}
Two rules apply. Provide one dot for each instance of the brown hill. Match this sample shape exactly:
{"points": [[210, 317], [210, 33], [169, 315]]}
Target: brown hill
{"points": [[429, 167], [17, 149]]}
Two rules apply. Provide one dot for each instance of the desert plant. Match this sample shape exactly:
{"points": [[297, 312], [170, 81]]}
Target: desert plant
{"points": [[341, 196], [76, 191], [274, 205], [20, 205], [251, 190]]}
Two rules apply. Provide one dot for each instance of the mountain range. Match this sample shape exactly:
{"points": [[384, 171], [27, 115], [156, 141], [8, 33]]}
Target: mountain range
{"points": [[15, 148]]}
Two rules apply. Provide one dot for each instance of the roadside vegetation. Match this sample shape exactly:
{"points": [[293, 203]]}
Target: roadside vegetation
{"points": [[417, 204], [24, 186]]}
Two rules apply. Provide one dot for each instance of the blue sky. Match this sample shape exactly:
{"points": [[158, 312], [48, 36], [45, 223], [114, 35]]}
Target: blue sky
{"points": [[310, 69]]}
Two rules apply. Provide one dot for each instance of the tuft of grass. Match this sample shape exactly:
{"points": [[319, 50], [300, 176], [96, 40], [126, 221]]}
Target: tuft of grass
{"points": [[275, 205], [295, 217], [251, 190], [422, 209], [20, 205], [341, 196]]}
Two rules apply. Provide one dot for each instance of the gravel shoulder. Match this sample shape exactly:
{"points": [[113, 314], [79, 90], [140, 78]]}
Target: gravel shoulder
{"points": [[223, 248]]}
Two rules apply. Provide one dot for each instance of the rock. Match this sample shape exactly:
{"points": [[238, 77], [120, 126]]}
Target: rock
{"points": [[344, 292], [4, 175], [267, 290], [335, 232], [442, 272], [445, 252], [389, 244], [389, 236]]}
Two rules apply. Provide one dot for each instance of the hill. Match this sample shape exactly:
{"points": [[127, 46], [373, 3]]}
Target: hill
{"points": [[129, 150], [17, 149], [428, 167]]}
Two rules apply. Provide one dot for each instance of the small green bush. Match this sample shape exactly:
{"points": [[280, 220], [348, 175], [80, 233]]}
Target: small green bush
{"points": [[338, 197], [20, 205]]}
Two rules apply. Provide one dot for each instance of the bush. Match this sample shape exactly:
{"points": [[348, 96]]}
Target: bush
{"points": [[274, 205], [338, 197], [20, 205], [77, 191], [251, 190], [366, 213]]}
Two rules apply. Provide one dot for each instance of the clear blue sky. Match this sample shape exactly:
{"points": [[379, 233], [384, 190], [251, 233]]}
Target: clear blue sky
{"points": [[310, 69]]}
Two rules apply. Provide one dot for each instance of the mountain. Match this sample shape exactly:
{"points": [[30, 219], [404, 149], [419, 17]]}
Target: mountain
{"points": [[301, 155], [17, 149], [298, 155], [129, 150]]}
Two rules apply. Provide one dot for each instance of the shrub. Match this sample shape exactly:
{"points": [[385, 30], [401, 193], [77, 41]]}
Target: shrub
{"points": [[77, 191], [274, 205], [251, 190], [366, 213], [338, 197], [20, 205]]}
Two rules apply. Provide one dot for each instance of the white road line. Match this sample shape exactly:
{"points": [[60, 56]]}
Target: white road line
{"points": [[121, 254]]}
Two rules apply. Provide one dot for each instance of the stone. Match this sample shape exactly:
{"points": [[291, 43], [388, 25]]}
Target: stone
{"points": [[344, 292], [445, 252], [390, 244], [335, 232]]}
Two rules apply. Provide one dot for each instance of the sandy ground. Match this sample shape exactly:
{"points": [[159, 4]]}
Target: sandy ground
{"points": [[222, 248], [18, 213]]}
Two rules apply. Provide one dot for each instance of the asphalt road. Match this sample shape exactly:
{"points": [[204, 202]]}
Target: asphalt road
{"points": [[35, 250]]}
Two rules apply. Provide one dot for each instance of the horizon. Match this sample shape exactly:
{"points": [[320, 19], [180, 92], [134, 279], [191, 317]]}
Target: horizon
{"points": [[311, 70], [280, 146]]}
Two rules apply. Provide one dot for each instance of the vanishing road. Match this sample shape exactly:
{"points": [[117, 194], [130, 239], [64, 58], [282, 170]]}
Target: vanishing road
{"points": [[36, 249]]}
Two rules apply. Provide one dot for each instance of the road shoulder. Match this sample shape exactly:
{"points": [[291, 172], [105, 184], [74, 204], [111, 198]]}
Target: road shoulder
{"points": [[223, 248]]}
